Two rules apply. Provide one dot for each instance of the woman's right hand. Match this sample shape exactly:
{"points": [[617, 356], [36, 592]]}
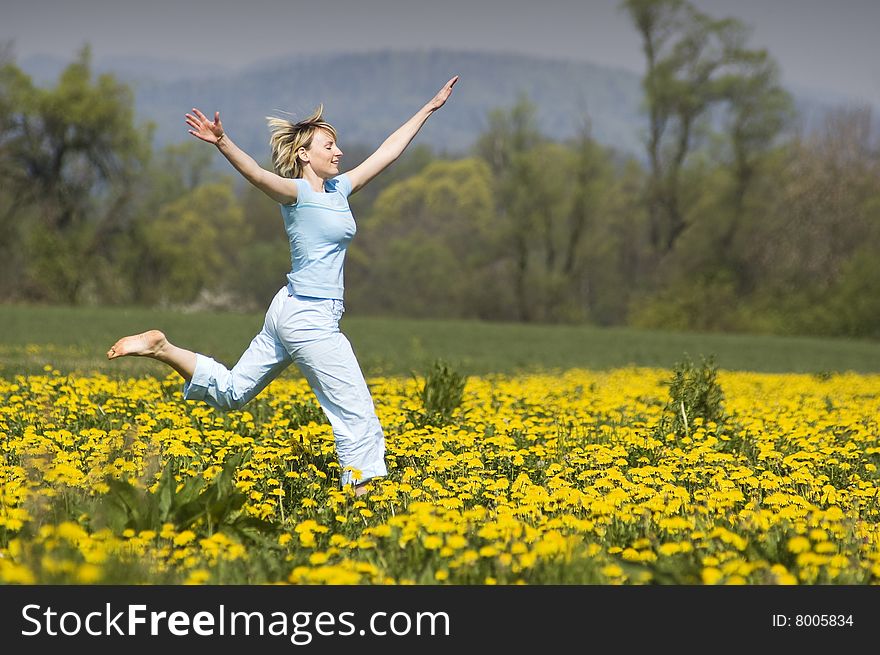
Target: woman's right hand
{"points": [[280, 189], [204, 129]]}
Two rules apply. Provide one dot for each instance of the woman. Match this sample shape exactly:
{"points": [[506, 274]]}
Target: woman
{"points": [[302, 322]]}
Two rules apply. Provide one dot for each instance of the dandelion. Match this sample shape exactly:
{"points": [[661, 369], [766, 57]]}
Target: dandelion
{"points": [[533, 471], [612, 571], [432, 542], [88, 574], [711, 576], [669, 549], [198, 577]]}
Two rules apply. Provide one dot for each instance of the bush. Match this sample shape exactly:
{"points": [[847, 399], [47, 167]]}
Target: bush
{"points": [[194, 504], [694, 392], [441, 395]]}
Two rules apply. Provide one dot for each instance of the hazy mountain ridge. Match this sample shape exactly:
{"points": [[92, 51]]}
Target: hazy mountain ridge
{"points": [[367, 95]]}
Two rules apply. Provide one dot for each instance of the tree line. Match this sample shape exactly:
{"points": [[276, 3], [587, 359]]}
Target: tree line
{"points": [[735, 218]]}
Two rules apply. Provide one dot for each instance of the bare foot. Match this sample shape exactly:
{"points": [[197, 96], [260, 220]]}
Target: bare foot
{"points": [[145, 344]]}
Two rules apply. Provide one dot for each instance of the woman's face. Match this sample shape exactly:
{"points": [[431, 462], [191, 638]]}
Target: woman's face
{"points": [[323, 154]]}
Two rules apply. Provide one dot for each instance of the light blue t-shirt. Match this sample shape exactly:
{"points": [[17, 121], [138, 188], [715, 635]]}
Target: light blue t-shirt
{"points": [[319, 227]]}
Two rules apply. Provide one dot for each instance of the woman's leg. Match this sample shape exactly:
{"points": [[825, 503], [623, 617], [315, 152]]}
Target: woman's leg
{"points": [[208, 380], [154, 345], [309, 327], [226, 389], [336, 379]]}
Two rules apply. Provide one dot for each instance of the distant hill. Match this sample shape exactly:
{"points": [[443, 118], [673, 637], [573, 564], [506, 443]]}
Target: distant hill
{"points": [[368, 95]]}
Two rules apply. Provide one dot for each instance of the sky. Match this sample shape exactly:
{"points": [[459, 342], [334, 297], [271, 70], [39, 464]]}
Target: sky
{"points": [[819, 44]]}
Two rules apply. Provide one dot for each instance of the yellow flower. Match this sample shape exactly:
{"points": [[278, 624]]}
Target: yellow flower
{"points": [[432, 542], [612, 571], [198, 577], [630, 554], [488, 551], [711, 576], [17, 574], [670, 548], [782, 575], [383, 530], [88, 574]]}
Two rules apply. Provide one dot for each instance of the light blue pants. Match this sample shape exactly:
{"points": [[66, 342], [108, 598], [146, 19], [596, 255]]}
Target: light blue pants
{"points": [[305, 331]]}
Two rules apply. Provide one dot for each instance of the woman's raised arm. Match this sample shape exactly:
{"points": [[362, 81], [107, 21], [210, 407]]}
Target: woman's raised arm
{"points": [[280, 189], [395, 144]]}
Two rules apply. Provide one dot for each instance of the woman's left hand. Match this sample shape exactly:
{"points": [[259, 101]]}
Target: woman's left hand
{"points": [[439, 99]]}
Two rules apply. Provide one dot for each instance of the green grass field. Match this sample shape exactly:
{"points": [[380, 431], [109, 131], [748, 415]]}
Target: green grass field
{"points": [[75, 340]]}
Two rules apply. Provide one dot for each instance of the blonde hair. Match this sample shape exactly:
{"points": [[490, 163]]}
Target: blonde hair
{"points": [[288, 137]]}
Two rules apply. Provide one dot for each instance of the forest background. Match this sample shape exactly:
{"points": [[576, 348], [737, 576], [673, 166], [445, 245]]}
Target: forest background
{"points": [[702, 195]]}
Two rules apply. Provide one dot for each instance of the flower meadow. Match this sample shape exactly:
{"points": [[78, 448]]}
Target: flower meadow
{"points": [[626, 476]]}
